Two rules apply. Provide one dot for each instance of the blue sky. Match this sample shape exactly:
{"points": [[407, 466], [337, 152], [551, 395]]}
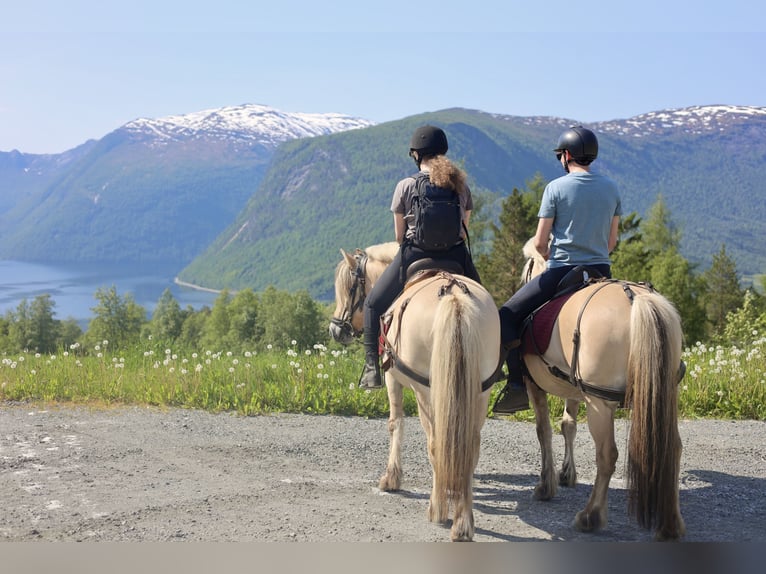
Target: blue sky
{"points": [[74, 70]]}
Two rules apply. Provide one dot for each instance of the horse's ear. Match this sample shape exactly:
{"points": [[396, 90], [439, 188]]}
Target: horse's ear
{"points": [[349, 259]]}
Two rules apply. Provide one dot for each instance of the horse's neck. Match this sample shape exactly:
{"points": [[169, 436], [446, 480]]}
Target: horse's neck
{"points": [[375, 269]]}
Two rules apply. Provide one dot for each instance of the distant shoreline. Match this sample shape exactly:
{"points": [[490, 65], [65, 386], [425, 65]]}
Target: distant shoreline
{"points": [[180, 283]]}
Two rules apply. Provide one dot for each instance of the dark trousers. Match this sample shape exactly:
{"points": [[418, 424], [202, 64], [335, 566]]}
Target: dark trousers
{"points": [[391, 283], [529, 297]]}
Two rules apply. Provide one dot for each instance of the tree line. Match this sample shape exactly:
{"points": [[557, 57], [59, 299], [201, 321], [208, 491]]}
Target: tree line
{"points": [[713, 305], [237, 322]]}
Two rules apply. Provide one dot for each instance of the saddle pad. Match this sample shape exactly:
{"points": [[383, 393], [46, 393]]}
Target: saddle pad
{"points": [[535, 340]]}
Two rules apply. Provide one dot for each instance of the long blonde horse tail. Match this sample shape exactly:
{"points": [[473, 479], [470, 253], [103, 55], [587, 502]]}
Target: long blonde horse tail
{"points": [[654, 443], [455, 388]]}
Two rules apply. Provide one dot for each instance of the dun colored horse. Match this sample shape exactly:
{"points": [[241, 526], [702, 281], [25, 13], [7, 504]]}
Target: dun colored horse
{"points": [[613, 342], [442, 341]]}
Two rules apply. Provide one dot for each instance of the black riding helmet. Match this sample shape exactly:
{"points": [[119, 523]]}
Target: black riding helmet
{"points": [[580, 142], [429, 140]]}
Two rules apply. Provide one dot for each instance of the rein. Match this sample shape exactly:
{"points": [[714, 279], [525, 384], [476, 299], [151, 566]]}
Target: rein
{"points": [[356, 295]]}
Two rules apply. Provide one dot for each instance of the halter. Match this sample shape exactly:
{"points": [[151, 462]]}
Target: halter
{"points": [[356, 295]]}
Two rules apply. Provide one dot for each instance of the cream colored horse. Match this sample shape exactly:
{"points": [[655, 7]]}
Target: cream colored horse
{"points": [[630, 347], [444, 332]]}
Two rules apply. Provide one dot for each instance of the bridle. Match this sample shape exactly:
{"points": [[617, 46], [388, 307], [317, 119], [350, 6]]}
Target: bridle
{"points": [[529, 267], [356, 296]]}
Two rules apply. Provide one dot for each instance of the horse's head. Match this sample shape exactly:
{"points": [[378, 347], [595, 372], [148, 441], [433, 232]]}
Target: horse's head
{"points": [[350, 291], [535, 263]]}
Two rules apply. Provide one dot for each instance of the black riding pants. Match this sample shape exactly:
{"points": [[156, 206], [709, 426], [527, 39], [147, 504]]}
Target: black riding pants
{"points": [[391, 283]]}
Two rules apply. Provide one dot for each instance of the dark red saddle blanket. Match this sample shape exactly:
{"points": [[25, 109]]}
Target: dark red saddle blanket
{"points": [[537, 335]]}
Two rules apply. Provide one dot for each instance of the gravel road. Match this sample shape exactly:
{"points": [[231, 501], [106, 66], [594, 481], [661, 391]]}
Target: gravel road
{"points": [[144, 474]]}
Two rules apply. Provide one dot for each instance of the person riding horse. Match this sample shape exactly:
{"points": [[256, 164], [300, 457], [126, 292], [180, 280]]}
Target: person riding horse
{"points": [[581, 211], [428, 147]]}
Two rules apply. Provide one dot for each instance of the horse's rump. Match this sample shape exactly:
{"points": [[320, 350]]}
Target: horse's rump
{"points": [[409, 334], [597, 317]]}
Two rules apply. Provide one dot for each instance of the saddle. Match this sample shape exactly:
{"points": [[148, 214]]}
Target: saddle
{"points": [[538, 326], [429, 266]]}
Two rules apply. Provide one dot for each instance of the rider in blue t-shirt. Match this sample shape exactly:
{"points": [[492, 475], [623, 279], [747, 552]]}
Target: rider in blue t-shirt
{"points": [[578, 224]]}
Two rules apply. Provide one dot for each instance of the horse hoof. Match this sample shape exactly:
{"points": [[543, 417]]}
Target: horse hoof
{"points": [[434, 516], [389, 483], [587, 521], [462, 530], [461, 537], [567, 478], [671, 533], [543, 492]]}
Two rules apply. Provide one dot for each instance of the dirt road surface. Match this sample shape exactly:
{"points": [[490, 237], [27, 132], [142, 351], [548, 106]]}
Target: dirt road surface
{"points": [[144, 474]]}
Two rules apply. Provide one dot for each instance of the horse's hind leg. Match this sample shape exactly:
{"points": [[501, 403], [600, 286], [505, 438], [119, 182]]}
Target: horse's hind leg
{"points": [[568, 474], [546, 488], [463, 524], [601, 425], [392, 478]]}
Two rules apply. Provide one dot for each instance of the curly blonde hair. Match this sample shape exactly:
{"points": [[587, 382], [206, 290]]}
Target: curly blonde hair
{"points": [[444, 173]]}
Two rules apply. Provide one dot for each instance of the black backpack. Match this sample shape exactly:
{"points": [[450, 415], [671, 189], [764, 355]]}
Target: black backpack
{"points": [[438, 217]]}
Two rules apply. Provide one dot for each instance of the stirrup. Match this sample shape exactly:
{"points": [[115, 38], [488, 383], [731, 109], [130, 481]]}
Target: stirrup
{"points": [[370, 377], [511, 399]]}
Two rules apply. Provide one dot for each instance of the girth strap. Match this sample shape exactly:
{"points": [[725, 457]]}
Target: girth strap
{"points": [[403, 368]]}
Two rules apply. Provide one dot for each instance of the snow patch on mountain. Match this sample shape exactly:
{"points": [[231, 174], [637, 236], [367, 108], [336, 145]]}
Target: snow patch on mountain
{"points": [[692, 120], [251, 122]]}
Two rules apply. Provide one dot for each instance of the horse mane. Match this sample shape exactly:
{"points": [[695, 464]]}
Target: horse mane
{"points": [[380, 256], [383, 252], [531, 252]]}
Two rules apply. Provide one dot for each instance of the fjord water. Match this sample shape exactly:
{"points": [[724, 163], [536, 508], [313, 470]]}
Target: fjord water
{"points": [[72, 287]]}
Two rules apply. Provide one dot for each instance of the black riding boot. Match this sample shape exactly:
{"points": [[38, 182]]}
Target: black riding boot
{"points": [[513, 398], [370, 378]]}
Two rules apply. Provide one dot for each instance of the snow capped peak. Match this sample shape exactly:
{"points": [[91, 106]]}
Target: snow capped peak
{"points": [[694, 120], [252, 122]]}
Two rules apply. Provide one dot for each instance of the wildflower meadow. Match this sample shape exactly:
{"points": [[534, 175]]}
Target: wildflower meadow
{"points": [[720, 382]]}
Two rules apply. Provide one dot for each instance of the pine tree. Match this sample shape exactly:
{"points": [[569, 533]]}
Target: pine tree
{"points": [[673, 276], [659, 232], [630, 258], [723, 293], [501, 269]]}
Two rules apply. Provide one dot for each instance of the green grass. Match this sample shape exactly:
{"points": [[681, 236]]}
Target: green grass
{"points": [[726, 383]]}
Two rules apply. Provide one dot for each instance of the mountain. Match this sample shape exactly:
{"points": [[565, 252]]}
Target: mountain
{"points": [[330, 192], [248, 196], [154, 190]]}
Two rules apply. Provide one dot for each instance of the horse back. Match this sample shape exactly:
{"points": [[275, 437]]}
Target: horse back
{"points": [[598, 318]]}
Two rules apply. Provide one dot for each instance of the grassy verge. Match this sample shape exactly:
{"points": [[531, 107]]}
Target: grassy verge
{"points": [[726, 383]]}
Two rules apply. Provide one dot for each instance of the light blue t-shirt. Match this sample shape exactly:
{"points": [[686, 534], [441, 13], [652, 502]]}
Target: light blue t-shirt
{"points": [[582, 206]]}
